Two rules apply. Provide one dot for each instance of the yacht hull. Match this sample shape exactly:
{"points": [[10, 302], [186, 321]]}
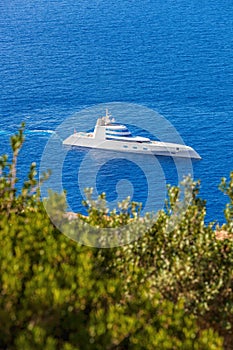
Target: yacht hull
{"points": [[148, 148]]}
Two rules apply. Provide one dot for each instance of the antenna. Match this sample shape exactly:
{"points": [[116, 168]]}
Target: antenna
{"points": [[107, 116]]}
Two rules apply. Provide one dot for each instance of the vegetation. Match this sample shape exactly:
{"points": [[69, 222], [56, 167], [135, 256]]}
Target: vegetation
{"points": [[169, 289]]}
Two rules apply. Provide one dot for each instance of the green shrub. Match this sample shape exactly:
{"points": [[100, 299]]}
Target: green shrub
{"points": [[180, 258], [154, 293]]}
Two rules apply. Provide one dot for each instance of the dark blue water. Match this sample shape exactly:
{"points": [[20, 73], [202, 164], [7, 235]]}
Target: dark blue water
{"points": [[176, 57]]}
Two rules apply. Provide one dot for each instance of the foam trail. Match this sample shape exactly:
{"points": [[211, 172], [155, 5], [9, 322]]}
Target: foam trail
{"points": [[28, 133], [36, 131], [40, 131], [43, 132], [6, 133]]}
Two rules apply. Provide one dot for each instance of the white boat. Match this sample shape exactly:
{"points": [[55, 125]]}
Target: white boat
{"points": [[112, 136]]}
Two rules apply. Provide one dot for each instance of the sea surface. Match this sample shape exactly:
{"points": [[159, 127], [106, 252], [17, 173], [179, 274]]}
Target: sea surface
{"points": [[59, 57]]}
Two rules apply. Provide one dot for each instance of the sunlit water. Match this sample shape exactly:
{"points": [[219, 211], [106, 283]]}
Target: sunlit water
{"points": [[57, 57]]}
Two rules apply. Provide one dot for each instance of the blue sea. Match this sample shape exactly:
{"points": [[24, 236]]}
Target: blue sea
{"points": [[58, 58]]}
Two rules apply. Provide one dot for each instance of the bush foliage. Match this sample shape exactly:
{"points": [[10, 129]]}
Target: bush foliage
{"points": [[169, 289]]}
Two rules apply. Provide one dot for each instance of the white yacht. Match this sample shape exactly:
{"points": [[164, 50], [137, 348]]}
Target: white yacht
{"points": [[112, 136]]}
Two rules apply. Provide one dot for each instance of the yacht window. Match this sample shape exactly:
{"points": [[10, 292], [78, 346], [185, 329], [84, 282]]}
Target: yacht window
{"points": [[145, 148], [134, 147], [125, 146]]}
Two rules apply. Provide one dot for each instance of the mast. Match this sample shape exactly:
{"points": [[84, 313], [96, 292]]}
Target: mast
{"points": [[107, 116]]}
